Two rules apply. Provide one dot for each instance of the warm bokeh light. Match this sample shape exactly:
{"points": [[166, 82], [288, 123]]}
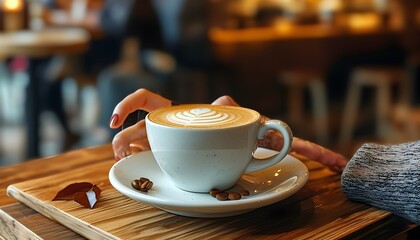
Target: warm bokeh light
{"points": [[364, 21], [12, 5]]}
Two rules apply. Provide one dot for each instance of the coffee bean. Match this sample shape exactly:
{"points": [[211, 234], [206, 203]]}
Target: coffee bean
{"points": [[234, 196], [244, 192], [135, 184], [143, 179], [222, 196], [142, 184], [146, 186], [214, 192]]}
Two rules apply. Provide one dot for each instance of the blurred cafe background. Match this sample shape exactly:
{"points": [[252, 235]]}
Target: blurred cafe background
{"points": [[339, 72]]}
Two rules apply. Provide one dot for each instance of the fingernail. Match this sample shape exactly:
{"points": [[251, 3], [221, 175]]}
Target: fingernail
{"points": [[114, 119], [117, 158]]}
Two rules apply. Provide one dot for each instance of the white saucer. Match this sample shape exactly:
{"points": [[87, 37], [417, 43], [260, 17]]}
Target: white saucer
{"points": [[266, 187]]}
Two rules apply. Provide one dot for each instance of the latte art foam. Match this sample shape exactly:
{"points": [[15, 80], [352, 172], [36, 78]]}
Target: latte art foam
{"points": [[203, 116]]}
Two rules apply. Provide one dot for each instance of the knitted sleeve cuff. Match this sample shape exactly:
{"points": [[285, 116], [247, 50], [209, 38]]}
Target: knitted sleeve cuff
{"points": [[386, 177]]}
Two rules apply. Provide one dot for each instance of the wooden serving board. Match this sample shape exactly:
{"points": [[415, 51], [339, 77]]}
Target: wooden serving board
{"points": [[17, 221], [317, 210]]}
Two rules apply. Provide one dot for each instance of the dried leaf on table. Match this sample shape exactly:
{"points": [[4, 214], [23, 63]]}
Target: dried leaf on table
{"points": [[84, 193], [88, 199], [68, 192]]}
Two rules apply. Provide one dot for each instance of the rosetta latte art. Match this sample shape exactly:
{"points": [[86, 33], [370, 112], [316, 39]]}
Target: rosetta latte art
{"points": [[201, 117]]}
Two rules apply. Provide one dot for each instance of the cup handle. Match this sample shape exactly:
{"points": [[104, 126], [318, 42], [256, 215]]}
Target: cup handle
{"points": [[283, 128]]}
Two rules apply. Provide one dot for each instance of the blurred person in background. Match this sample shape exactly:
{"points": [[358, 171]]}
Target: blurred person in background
{"points": [[113, 61], [162, 38], [103, 51], [135, 26]]}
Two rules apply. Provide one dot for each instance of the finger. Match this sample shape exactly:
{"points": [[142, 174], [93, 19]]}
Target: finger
{"points": [[140, 145], [121, 142], [225, 100], [140, 99], [333, 160]]}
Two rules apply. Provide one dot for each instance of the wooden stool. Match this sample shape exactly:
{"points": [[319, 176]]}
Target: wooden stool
{"points": [[297, 82], [382, 79]]}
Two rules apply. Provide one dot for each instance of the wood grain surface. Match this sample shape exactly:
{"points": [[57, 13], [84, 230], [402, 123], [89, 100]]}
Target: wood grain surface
{"points": [[18, 220], [317, 211], [24, 223], [37, 168]]}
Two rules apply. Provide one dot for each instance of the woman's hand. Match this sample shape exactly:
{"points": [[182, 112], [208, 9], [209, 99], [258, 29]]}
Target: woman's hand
{"points": [[335, 161], [135, 136], [274, 140], [331, 159]]}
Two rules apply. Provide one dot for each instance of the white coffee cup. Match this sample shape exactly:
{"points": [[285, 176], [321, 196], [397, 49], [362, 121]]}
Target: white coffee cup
{"points": [[201, 146]]}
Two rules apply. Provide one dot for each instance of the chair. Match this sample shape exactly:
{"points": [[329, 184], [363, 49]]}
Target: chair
{"points": [[382, 79], [297, 82]]}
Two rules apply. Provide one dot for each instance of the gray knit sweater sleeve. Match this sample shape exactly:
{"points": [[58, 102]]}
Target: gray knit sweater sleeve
{"points": [[386, 177]]}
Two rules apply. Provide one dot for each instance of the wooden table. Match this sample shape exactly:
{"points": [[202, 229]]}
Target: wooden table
{"points": [[318, 211], [38, 46]]}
